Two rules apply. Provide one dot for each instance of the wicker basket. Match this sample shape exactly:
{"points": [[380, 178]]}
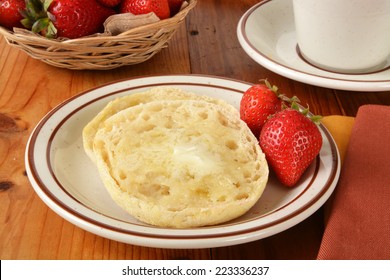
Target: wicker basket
{"points": [[102, 52]]}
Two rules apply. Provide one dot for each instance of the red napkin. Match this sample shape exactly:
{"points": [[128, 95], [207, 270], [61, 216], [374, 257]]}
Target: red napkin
{"points": [[359, 221]]}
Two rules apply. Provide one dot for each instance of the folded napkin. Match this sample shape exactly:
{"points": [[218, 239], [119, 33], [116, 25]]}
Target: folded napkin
{"points": [[358, 226]]}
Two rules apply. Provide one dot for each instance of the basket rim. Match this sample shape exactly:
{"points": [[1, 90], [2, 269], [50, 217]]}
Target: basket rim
{"points": [[172, 20]]}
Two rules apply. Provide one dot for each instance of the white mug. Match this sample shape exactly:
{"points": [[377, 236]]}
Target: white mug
{"points": [[346, 36]]}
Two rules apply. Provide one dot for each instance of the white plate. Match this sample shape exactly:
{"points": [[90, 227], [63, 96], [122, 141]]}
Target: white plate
{"points": [[267, 34], [68, 182]]}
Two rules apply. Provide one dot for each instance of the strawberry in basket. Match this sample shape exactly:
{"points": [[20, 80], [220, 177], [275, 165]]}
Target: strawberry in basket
{"points": [[138, 7], [10, 13], [110, 3], [174, 6], [65, 18]]}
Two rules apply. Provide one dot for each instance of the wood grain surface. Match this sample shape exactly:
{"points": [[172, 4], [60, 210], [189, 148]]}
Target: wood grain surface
{"points": [[205, 44]]}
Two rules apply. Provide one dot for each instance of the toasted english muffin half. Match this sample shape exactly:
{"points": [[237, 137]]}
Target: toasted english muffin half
{"points": [[121, 103], [180, 163]]}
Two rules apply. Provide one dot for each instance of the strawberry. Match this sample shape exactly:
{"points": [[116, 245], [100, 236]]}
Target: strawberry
{"points": [[109, 3], [66, 18], [174, 6], [290, 141], [138, 7], [10, 13], [258, 103]]}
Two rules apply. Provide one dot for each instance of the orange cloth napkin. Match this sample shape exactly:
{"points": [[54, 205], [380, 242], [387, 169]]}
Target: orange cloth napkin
{"points": [[358, 226]]}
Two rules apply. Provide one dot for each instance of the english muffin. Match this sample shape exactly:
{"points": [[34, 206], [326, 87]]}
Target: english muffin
{"points": [[153, 94], [179, 163]]}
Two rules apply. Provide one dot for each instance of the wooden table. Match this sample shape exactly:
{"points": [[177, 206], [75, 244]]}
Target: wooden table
{"points": [[206, 44]]}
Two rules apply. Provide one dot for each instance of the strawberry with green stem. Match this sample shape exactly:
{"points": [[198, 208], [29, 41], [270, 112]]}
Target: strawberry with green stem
{"points": [[259, 102], [65, 18], [291, 140]]}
